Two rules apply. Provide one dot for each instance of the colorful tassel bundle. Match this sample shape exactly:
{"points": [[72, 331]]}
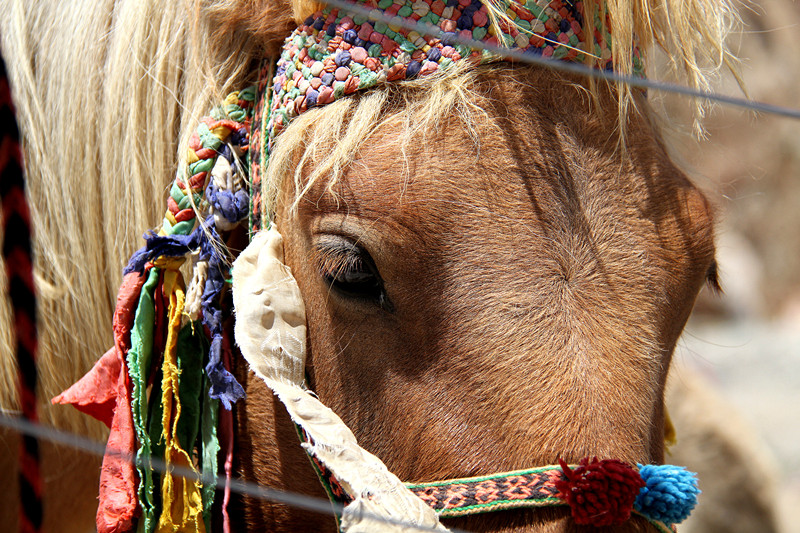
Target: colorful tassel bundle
{"points": [[159, 388]]}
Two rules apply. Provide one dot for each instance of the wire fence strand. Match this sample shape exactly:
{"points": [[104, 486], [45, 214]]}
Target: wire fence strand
{"points": [[238, 486], [426, 28]]}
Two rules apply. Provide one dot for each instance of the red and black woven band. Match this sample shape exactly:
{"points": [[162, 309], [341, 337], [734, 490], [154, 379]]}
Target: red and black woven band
{"points": [[16, 246], [524, 488], [530, 488]]}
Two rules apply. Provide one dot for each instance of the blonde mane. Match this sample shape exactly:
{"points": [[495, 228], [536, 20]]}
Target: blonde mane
{"points": [[103, 91], [107, 93], [325, 141]]}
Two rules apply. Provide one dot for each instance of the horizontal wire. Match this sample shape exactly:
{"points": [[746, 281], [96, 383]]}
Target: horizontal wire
{"points": [[425, 28], [238, 486]]}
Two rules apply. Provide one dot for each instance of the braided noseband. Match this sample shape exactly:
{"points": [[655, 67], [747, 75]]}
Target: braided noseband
{"points": [[178, 341], [598, 493]]}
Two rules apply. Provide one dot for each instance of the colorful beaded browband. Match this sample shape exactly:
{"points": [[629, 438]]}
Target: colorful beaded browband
{"points": [[334, 54]]}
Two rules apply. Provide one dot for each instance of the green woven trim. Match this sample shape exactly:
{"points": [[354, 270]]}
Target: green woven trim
{"points": [[323, 479], [500, 505], [504, 505], [478, 479], [264, 216]]}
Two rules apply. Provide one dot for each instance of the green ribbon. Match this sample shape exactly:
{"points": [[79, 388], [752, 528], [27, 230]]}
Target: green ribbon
{"points": [[139, 360]]}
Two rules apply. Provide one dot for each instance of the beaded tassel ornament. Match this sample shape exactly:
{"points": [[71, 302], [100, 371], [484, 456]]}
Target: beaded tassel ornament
{"points": [[160, 386]]}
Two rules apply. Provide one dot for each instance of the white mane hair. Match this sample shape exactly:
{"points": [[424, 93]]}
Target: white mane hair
{"points": [[104, 91]]}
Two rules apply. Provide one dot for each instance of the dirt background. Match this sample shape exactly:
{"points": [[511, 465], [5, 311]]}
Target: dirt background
{"points": [[746, 343]]}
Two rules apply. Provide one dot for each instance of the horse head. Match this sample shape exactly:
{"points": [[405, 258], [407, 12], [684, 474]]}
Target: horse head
{"points": [[496, 264], [498, 289]]}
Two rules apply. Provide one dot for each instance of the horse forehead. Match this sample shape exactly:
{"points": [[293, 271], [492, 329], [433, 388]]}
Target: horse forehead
{"points": [[557, 185], [395, 173], [415, 182], [431, 186]]}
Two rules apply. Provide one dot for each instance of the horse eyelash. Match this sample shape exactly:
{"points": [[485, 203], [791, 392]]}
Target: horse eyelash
{"points": [[712, 278], [331, 260]]}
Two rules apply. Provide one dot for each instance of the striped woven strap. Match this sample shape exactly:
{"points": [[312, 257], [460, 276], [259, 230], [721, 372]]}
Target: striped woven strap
{"points": [[532, 488], [496, 492], [15, 237]]}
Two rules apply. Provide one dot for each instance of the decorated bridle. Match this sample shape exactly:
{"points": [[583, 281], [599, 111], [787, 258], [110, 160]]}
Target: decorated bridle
{"points": [[178, 342]]}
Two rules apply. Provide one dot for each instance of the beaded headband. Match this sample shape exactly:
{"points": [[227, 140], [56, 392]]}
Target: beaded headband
{"points": [[334, 54]]}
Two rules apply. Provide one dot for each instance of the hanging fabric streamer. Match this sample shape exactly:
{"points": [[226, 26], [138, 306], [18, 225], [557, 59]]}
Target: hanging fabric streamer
{"points": [[160, 387]]}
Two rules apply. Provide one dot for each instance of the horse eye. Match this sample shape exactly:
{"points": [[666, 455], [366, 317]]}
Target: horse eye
{"points": [[349, 269]]}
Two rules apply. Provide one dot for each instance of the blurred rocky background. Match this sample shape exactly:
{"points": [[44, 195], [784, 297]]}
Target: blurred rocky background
{"points": [[741, 349]]}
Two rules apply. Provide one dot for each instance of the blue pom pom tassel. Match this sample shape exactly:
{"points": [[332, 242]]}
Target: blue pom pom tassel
{"points": [[669, 495]]}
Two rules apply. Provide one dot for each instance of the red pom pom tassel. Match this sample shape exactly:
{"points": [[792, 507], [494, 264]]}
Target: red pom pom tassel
{"points": [[600, 493]]}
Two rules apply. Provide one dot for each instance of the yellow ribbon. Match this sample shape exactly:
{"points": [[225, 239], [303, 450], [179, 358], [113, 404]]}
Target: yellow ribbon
{"points": [[170, 264], [670, 435], [182, 498]]}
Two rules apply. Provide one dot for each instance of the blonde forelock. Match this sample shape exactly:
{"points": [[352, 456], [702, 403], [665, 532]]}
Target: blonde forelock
{"points": [[321, 144]]}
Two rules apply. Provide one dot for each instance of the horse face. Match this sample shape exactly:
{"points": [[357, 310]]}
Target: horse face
{"points": [[483, 306]]}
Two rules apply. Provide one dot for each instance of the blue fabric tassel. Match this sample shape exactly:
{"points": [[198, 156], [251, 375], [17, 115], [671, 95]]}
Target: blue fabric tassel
{"points": [[162, 245], [669, 495], [233, 206], [224, 386]]}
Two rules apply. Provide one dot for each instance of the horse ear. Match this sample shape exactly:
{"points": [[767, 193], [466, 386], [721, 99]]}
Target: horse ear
{"points": [[267, 21]]}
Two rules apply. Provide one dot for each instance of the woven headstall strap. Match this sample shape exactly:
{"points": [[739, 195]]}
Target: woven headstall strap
{"points": [[17, 256], [334, 54], [599, 493], [524, 488]]}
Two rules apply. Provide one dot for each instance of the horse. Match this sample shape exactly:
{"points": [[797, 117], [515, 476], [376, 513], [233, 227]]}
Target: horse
{"points": [[495, 263]]}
